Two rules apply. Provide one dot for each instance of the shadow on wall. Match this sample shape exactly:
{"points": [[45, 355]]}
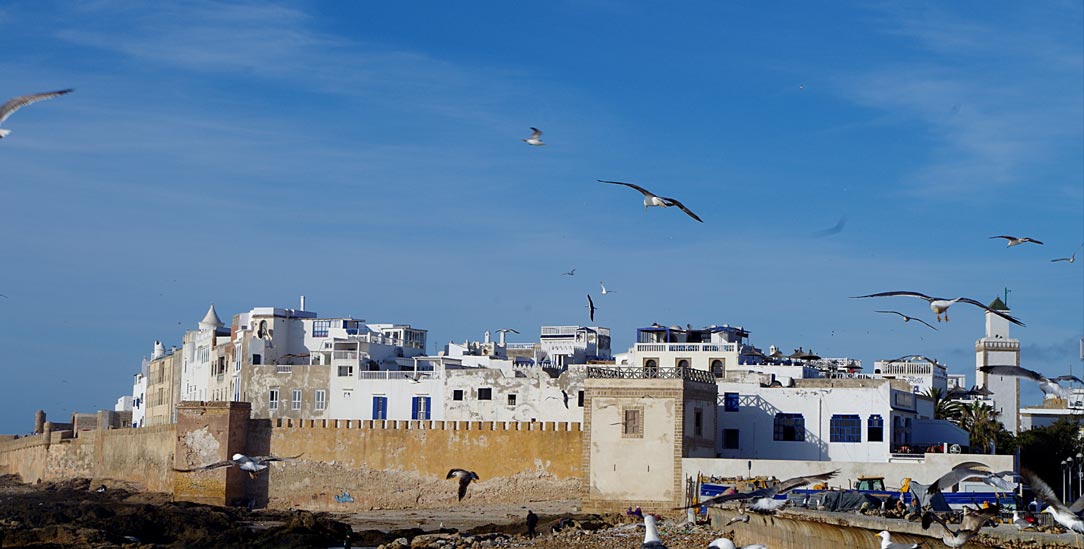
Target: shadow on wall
{"points": [[258, 443]]}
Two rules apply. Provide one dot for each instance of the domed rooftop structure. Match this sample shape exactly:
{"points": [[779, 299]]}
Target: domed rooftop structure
{"points": [[210, 320]]}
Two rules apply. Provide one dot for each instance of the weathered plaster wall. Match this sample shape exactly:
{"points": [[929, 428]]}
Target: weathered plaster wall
{"points": [[404, 463]]}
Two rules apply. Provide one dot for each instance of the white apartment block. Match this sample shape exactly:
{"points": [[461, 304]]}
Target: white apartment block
{"points": [[920, 372]]}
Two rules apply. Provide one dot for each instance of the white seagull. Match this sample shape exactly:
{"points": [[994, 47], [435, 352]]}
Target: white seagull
{"points": [[1066, 516], [764, 499], [973, 521], [886, 542], [1020, 522], [252, 465], [651, 534], [464, 477], [1014, 241], [1070, 259], [17, 103], [651, 199], [1046, 385], [417, 377], [907, 318], [535, 138], [604, 290], [742, 516], [724, 543], [940, 305], [972, 469]]}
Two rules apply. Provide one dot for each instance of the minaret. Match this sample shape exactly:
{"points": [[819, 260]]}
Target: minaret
{"points": [[998, 349]]}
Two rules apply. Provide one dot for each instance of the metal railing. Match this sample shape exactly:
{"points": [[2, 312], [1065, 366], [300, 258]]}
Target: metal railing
{"points": [[690, 374], [685, 347]]}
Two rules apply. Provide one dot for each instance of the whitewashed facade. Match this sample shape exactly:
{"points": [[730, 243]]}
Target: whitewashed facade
{"points": [[921, 373], [996, 348]]}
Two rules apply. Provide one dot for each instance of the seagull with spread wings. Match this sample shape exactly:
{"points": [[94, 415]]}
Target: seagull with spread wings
{"points": [[252, 465], [1014, 241], [1066, 516], [535, 138], [17, 103], [974, 519], [604, 290], [940, 305], [464, 477], [1070, 259], [651, 199], [1046, 385], [764, 499], [907, 318], [591, 307]]}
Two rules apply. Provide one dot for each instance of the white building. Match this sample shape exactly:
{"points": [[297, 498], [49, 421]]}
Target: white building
{"points": [[198, 346], [564, 345], [139, 397], [922, 373], [998, 349], [714, 349], [826, 419]]}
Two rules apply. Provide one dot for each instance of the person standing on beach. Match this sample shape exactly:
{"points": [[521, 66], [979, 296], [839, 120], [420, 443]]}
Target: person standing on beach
{"points": [[532, 521]]}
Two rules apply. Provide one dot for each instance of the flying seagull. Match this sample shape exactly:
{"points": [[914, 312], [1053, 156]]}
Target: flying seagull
{"points": [[604, 290], [252, 465], [834, 229], [1066, 516], [651, 534], [886, 542], [971, 469], [651, 199], [535, 138], [507, 330], [907, 318], [1046, 385], [591, 307], [940, 305], [570, 273], [17, 103], [764, 499], [973, 520], [742, 516], [724, 543], [1014, 241], [417, 377], [464, 477], [1070, 259]]}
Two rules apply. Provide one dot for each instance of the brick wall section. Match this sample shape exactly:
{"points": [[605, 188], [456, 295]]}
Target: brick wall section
{"points": [[210, 432]]}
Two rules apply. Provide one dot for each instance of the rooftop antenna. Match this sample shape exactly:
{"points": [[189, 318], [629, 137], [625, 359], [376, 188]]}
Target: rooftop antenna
{"points": [[1007, 292]]}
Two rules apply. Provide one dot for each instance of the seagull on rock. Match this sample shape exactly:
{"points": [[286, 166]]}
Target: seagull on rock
{"points": [[535, 138], [886, 542], [651, 534], [1014, 241], [973, 520], [464, 477], [651, 199], [907, 318], [724, 543], [1047, 386], [764, 499], [1066, 516], [940, 305], [17, 103], [252, 465]]}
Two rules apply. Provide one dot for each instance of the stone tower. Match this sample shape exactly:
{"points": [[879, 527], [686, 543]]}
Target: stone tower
{"points": [[996, 348]]}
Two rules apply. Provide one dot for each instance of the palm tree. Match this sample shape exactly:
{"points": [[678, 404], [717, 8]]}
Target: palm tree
{"points": [[980, 420], [942, 408]]}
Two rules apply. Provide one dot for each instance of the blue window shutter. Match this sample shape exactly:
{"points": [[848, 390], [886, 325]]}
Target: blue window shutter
{"points": [[414, 407], [428, 408], [376, 407]]}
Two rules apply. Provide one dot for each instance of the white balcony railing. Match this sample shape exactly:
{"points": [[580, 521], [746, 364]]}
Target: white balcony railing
{"points": [[685, 347], [345, 355]]}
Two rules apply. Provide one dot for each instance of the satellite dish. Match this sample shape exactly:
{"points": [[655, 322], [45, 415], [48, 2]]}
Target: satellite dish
{"points": [[954, 449]]}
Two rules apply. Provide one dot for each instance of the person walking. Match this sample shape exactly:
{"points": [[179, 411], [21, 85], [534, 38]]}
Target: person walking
{"points": [[532, 522]]}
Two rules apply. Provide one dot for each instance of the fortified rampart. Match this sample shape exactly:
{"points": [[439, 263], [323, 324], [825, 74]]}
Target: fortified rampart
{"points": [[365, 463]]}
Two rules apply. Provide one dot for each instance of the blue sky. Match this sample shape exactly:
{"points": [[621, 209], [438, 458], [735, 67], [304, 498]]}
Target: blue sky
{"points": [[368, 156]]}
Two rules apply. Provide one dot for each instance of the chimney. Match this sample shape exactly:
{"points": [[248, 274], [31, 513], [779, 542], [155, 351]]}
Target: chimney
{"points": [[501, 334], [302, 303]]}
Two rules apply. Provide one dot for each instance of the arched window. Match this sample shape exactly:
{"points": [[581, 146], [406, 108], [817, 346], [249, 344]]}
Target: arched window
{"points": [[650, 363], [846, 428], [683, 363], [875, 429], [789, 427], [717, 368]]}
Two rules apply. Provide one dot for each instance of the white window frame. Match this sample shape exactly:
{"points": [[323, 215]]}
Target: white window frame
{"points": [[295, 399], [273, 399], [321, 399]]}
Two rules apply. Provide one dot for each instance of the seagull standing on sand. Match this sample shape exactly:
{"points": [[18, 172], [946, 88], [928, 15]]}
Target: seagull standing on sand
{"points": [[651, 534], [1047, 386], [535, 138], [886, 542], [907, 318], [764, 499], [17, 103], [591, 307], [1014, 241], [1066, 516], [464, 477], [651, 199], [252, 465], [940, 305], [1070, 259]]}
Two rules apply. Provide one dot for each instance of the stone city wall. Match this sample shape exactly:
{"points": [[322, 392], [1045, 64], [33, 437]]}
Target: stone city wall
{"points": [[355, 465]]}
